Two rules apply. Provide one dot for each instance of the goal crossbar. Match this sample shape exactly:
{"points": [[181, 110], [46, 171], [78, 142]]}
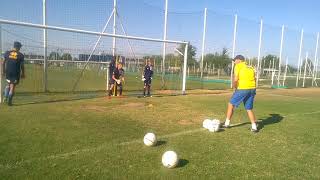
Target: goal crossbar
{"points": [[4, 21]]}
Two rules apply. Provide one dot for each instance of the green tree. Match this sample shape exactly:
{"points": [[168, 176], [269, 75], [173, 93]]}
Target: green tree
{"points": [[54, 56], [220, 60], [66, 56], [291, 69], [191, 53], [157, 59], [267, 61], [173, 60]]}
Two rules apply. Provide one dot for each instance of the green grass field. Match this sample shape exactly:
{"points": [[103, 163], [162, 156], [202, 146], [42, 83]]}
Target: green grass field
{"points": [[101, 138]]}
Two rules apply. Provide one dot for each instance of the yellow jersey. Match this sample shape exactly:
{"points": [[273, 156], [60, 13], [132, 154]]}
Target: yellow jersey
{"points": [[246, 76]]}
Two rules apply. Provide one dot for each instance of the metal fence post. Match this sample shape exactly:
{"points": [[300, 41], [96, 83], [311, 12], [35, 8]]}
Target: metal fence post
{"points": [[315, 61], [203, 39], [234, 47], [114, 27], [305, 70], [280, 55], [1, 77], [45, 62], [164, 37], [259, 53], [299, 59]]}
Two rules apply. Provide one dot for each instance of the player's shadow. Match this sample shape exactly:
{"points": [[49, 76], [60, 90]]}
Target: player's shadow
{"points": [[220, 130], [182, 163], [272, 119], [159, 143]]}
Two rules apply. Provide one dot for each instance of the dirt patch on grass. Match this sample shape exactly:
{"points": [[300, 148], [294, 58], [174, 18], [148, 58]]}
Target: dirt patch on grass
{"points": [[185, 122], [102, 109], [93, 108], [166, 92], [133, 105], [209, 92], [149, 105], [196, 92]]}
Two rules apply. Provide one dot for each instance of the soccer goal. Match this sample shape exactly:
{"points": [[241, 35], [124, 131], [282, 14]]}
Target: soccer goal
{"points": [[67, 60]]}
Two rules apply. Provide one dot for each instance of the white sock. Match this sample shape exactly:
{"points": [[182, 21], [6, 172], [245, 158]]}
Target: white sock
{"points": [[254, 126], [227, 122]]}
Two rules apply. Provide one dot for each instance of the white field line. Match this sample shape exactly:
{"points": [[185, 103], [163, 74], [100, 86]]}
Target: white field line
{"points": [[166, 136], [90, 150]]}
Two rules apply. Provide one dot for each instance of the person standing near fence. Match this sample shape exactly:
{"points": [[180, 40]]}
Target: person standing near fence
{"points": [[13, 70], [147, 77], [245, 91]]}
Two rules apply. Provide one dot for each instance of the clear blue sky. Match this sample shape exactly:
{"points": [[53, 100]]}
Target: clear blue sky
{"points": [[296, 14], [145, 18]]}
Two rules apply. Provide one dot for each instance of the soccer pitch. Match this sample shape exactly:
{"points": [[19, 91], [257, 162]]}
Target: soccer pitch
{"points": [[101, 138]]}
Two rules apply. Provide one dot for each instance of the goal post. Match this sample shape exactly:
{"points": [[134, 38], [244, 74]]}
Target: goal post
{"points": [[1, 61], [59, 41]]}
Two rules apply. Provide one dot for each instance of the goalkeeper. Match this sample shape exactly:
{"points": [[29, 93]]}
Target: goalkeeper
{"points": [[147, 77], [117, 80]]}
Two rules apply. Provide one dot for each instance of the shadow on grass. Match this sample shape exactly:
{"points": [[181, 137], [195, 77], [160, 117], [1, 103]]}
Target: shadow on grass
{"points": [[182, 163], [159, 143], [220, 130], [53, 101], [49, 101], [272, 119]]}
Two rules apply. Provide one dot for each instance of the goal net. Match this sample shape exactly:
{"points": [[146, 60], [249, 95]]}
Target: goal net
{"points": [[78, 63]]}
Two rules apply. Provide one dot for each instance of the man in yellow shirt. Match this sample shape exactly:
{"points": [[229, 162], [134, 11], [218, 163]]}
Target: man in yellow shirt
{"points": [[245, 91]]}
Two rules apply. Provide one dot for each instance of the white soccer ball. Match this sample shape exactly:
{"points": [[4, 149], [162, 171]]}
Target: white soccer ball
{"points": [[170, 159], [216, 121], [206, 123], [214, 126], [150, 139]]}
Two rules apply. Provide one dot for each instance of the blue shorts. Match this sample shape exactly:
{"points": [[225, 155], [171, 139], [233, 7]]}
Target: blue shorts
{"points": [[246, 96]]}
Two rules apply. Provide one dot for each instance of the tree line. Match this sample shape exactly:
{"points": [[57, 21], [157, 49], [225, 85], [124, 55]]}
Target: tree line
{"points": [[220, 60]]}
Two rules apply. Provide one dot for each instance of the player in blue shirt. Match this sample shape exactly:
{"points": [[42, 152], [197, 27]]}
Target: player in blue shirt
{"points": [[13, 69], [147, 77]]}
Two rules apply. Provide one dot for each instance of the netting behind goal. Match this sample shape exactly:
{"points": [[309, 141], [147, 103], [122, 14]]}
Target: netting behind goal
{"points": [[70, 71]]}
